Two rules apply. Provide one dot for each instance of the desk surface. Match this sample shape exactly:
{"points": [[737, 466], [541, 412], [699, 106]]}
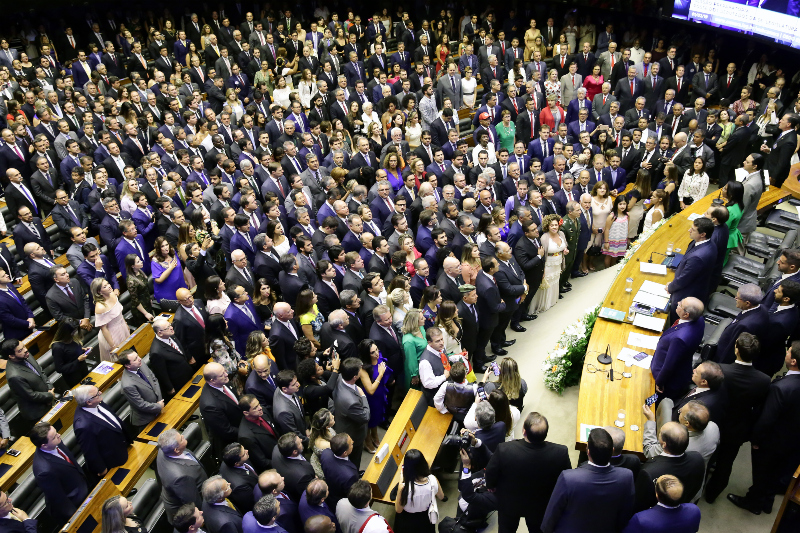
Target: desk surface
{"points": [[599, 399], [92, 507], [140, 455], [19, 464], [176, 411]]}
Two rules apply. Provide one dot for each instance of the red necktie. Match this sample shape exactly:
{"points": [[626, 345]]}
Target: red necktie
{"points": [[533, 123], [676, 323], [631, 87], [261, 422], [604, 99], [730, 77], [562, 61], [64, 456], [198, 317], [679, 85], [230, 395], [514, 101]]}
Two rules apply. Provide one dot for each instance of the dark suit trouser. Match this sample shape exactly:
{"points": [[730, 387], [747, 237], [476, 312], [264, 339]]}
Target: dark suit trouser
{"points": [[498, 336], [576, 265], [480, 350], [508, 523], [769, 465], [724, 457]]}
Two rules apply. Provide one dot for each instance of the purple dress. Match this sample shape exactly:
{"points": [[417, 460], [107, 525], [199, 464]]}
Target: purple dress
{"points": [[174, 282], [379, 402]]}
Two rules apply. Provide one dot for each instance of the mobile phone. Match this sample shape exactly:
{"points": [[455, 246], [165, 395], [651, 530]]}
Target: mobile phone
{"points": [[481, 393], [12, 452], [651, 400], [165, 315], [197, 379], [495, 368], [639, 356], [87, 350]]}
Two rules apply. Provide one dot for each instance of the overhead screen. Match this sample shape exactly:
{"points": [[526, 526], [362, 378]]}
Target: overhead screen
{"points": [[776, 20]]}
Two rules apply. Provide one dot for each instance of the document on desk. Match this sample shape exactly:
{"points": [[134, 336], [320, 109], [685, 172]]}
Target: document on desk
{"points": [[642, 341], [104, 368], [659, 289], [649, 322], [626, 355], [653, 268], [694, 216], [645, 298], [585, 430]]}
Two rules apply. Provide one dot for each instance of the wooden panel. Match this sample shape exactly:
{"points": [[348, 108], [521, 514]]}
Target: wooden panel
{"points": [[62, 413], [19, 464], [140, 455], [599, 399], [174, 414], [92, 508]]}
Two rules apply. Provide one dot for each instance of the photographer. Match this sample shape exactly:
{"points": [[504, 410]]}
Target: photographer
{"points": [[475, 502], [455, 395], [317, 381]]}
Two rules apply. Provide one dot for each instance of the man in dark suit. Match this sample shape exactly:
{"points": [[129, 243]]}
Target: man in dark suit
{"points": [[57, 472], [340, 470], [780, 153], [672, 363], [261, 381], [708, 380], [387, 338], [103, 438], [735, 150], [529, 254], [523, 474], [180, 472], [241, 316], [30, 387], [96, 265], [67, 214], [13, 519], [754, 318], [705, 83], [287, 410], [490, 305], [669, 515], [219, 407], [283, 335], [747, 388], [258, 433], [594, 496], [170, 362], [68, 300], [190, 322], [238, 470], [688, 467], [44, 183], [219, 515], [15, 315], [511, 283], [350, 404], [29, 230], [296, 473], [774, 435], [694, 272]]}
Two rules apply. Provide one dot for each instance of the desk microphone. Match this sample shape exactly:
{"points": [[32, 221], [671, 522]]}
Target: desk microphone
{"points": [[651, 256], [605, 358]]}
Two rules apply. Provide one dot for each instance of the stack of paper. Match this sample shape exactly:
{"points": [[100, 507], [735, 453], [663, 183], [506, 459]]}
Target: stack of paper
{"points": [[649, 322], [646, 298], [653, 268], [643, 341], [659, 289]]}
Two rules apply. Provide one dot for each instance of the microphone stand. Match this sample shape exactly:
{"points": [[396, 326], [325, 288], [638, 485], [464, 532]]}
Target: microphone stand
{"points": [[657, 253], [605, 358]]}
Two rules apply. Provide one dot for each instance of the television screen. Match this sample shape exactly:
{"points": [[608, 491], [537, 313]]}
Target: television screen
{"points": [[776, 20]]}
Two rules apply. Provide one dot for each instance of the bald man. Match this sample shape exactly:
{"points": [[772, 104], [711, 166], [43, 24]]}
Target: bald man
{"points": [[190, 323], [219, 406], [450, 279], [320, 524], [672, 362], [261, 381]]}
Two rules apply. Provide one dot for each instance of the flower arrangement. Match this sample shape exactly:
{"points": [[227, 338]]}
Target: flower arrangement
{"points": [[562, 367], [643, 236]]}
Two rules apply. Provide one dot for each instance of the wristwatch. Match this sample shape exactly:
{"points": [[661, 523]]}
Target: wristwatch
{"points": [[465, 470]]}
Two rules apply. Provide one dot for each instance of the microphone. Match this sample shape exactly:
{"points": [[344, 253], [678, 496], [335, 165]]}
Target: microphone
{"points": [[605, 358], [651, 256]]}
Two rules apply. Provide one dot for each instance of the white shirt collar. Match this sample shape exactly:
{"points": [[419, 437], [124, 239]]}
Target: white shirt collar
{"points": [[745, 363], [784, 307], [600, 466]]}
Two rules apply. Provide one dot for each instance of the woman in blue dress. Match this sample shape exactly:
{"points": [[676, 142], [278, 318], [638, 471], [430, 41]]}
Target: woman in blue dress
{"points": [[167, 270], [376, 378], [394, 170], [429, 303]]}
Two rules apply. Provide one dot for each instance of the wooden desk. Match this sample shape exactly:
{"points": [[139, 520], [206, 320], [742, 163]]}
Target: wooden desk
{"points": [[38, 344], [140, 455], [414, 426], [178, 409], [91, 510], [140, 340], [61, 415], [599, 399], [19, 464]]}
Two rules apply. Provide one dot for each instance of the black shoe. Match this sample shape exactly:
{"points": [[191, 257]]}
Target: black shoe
{"points": [[506, 344], [560, 296], [490, 358], [499, 351], [580, 275], [518, 328], [709, 498], [744, 503], [767, 507], [568, 284], [479, 368], [566, 289], [528, 318]]}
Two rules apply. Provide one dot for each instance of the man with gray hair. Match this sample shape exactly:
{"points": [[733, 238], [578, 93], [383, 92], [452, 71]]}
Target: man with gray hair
{"points": [[219, 513], [672, 362], [180, 472], [99, 431], [168, 359], [264, 514], [703, 433], [753, 318], [336, 332], [619, 459], [398, 143]]}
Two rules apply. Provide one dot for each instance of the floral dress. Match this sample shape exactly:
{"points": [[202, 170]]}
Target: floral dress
{"points": [[553, 87], [617, 237]]}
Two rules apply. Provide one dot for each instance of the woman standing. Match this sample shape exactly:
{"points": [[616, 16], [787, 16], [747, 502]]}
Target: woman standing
{"points": [[306, 88], [214, 294], [263, 301], [257, 344], [734, 201], [308, 315], [744, 103], [593, 83], [280, 243], [601, 207], [375, 378], [399, 302], [499, 220], [727, 128], [412, 254], [413, 133], [108, 317], [470, 263], [376, 138], [447, 320], [69, 355], [641, 189], [167, 270], [656, 211], [552, 88], [506, 131], [555, 245], [503, 412], [391, 164], [129, 188], [442, 51], [118, 516], [468, 87], [141, 300], [414, 344], [615, 241], [517, 71], [429, 304], [220, 348], [530, 40], [321, 434], [670, 185], [415, 494], [694, 185]]}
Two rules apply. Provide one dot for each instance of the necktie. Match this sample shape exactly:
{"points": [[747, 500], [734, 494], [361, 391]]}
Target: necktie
{"points": [[197, 317], [17, 151], [631, 87], [69, 293], [64, 456], [141, 375], [679, 84], [261, 422], [474, 312], [730, 77], [29, 365], [174, 345], [229, 394]]}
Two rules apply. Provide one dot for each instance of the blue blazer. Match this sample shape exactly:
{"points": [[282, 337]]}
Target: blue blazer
{"points": [[755, 321], [64, 484], [123, 249], [14, 314], [87, 273], [251, 525], [339, 474], [109, 229], [693, 273], [380, 210], [619, 183], [685, 518], [769, 298], [307, 511], [573, 111], [240, 243], [424, 240], [672, 362], [146, 228], [535, 148], [350, 242], [240, 325], [574, 128]]}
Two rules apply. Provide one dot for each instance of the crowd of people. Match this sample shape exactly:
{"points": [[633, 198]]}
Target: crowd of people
{"points": [[338, 210]]}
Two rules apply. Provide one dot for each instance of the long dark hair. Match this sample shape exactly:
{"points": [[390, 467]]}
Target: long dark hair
{"points": [[618, 200], [502, 409], [735, 194], [217, 329], [414, 466], [211, 288], [364, 348]]}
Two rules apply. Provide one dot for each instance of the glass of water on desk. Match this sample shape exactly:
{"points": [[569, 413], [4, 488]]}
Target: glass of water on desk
{"points": [[620, 422], [628, 285], [670, 248]]}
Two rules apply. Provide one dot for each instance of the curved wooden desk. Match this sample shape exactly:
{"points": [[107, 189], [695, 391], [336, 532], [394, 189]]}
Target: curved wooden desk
{"points": [[600, 400]]}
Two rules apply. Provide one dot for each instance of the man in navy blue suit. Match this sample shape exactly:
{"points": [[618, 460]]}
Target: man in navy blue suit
{"points": [[15, 315], [109, 227], [695, 269], [96, 265], [672, 362], [13, 519], [131, 243], [100, 432], [596, 496], [340, 471], [669, 515], [789, 267], [753, 318], [614, 175]]}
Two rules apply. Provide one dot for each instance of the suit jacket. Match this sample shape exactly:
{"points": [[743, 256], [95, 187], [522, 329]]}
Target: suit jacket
{"points": [[689, 468], [259, 441], [30, 389], [143, 395], [609, 491], [87, 273], [243, 480], [22, 235], [490, 303], [340, 474], [352, 413], [287, 416], [221, 518], [298, 473], [510, 278], [188, 330], [672, 362], [14, 313], [62, 308], [170, 366], [685, 518], [390, 348], [524, 475], [778, 160], [12, 525], [747, 389], [755, 321], [716, 401], [220, 414], [693, 273], [181, 481], [240, 325], [777, 426], [104, 444], [63, 483]]}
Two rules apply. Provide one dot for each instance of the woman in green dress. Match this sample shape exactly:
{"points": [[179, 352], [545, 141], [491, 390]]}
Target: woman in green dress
{"points": [[414, 344], [506, 131], [727, 125], [734, 194]]}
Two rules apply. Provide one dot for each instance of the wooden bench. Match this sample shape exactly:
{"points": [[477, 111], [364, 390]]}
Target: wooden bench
{"points": [[414, 426], [792, 497]]}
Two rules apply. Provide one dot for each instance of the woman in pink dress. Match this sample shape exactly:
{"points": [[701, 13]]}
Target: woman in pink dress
{"points": [[108, 317], [593, 83]]}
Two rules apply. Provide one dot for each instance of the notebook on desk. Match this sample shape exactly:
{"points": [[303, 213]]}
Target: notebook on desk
{"points": [[673, 261]]}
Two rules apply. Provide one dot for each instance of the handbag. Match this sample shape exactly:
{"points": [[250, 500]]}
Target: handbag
{"points": [[594, 250], [433, 509]]}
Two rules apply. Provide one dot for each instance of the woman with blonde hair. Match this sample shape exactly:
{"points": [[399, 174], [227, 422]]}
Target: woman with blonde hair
{"points": [[509, 381], [414, 344], [469, 86], [257, 344], [470, 263], [554, 243], [186, 235], [129, 188], [108, 317], [413, 131], [447, 320], [118, 517], [232, 101], [398, 302], [320, 439]]}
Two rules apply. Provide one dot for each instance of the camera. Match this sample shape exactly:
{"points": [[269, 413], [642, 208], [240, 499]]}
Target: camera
{"points": [[462, 441]]}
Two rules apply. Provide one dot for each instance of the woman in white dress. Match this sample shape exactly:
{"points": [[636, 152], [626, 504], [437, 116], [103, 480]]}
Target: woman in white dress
{"points": [[129, 188], [216, 299], [306, 88], [601, 207], [281, 93], [656, 212], [555, 246], [413, 131], [108, 317], [232, 101], [415, 495], [468, 88], [694, 184], [399, 302], [368, 115]]}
